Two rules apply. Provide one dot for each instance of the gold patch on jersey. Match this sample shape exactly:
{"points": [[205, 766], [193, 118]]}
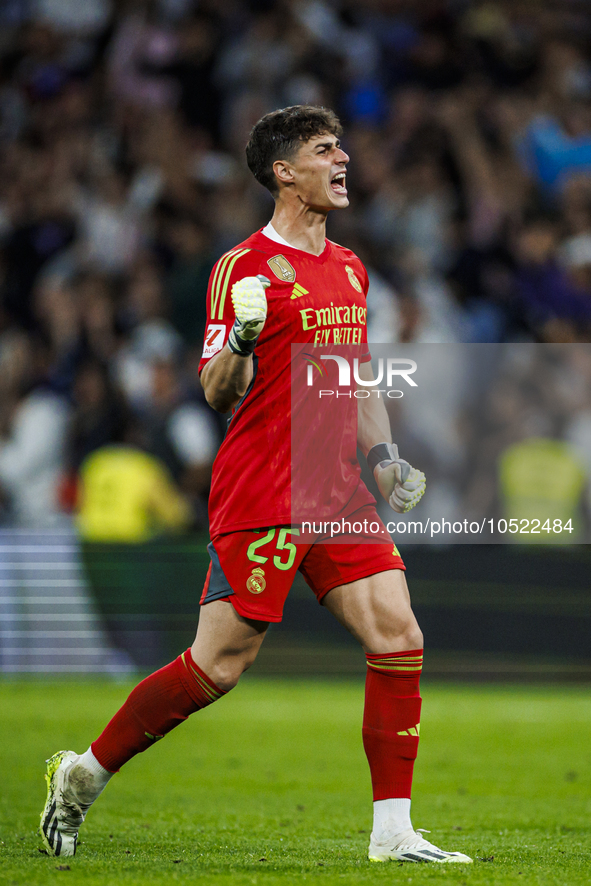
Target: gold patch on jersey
{"points": [[256, 583], [298, 290], [282, 268], [353, 280]]}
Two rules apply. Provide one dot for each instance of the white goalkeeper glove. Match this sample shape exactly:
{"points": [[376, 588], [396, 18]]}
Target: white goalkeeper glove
{"points": [[401, 485], [250, 307]]}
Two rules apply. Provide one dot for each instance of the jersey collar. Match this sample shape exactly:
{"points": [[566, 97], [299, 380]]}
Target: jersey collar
{"points": [[271, 234]]}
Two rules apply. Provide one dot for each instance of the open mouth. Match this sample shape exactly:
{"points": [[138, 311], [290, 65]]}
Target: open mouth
{"points": [[337, 183]]}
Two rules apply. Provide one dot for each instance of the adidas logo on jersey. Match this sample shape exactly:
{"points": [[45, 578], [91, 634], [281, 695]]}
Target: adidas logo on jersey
{"points": [[298, 290]]}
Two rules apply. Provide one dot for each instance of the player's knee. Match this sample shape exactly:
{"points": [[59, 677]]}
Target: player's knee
{"points": [[226, 680], [413, 637], [229, 670], [401, 635], [406, 632]]}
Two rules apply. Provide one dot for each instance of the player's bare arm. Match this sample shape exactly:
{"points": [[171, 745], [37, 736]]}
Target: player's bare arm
{"points": [[225, 379], [373, 422]]}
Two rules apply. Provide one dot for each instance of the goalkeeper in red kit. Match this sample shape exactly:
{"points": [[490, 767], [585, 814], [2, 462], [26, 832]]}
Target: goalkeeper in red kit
{"points": [[285, 284]]}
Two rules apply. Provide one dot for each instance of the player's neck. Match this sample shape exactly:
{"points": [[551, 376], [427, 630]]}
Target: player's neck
{"points": [[301, 227]]}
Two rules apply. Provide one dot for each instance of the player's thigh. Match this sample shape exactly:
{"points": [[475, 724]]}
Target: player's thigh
{"points": [[377, 611], [226, 643]]}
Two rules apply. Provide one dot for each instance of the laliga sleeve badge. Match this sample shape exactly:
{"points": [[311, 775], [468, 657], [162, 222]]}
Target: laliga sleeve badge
{"points": [[282, 268], [353, 279], [256, 583], [214, 339]]}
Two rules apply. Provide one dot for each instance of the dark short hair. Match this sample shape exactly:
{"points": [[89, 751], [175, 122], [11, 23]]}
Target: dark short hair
{"points": [[278, 135]]}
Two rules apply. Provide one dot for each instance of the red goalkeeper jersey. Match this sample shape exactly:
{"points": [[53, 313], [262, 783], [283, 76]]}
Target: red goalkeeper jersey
{"points": [[312, 301]]}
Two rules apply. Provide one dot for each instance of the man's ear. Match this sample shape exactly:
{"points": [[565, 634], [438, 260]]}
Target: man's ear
{"points": [[283, 171]]}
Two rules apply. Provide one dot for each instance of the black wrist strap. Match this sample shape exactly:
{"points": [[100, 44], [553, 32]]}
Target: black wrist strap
{"points": [[381, 452], [238, 345]]}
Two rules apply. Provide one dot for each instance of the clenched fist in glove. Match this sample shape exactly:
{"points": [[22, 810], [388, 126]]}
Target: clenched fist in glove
{"points": [[401, 485], [250, 307]]}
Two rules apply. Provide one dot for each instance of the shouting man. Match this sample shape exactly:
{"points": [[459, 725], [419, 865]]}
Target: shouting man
{"points": [[285, 284]]}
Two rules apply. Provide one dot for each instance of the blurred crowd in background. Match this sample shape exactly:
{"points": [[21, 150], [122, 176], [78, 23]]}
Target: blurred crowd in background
{"points": [[123, 179]]}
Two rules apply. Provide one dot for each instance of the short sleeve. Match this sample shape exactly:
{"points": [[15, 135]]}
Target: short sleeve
{"points": [[234, 265]]}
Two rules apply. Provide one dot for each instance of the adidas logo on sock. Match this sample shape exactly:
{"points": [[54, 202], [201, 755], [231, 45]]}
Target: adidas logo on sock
{"points": [[414, 730]]}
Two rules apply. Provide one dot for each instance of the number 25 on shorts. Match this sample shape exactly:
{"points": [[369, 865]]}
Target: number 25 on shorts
{"points": [[281, 545]]}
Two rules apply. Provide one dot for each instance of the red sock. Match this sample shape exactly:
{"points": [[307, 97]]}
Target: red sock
{"points": [[155, 706], [391, 721]]}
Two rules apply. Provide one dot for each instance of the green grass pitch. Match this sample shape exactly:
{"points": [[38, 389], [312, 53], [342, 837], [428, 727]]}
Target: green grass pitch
{"points": [[270, 786]]}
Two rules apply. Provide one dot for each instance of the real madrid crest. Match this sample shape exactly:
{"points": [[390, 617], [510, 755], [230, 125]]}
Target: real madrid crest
{"points": [[255, 582], [353, 279], [282, 268]]}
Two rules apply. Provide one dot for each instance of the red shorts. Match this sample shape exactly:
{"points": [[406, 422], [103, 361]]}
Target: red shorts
{"points": [[255, 569]]}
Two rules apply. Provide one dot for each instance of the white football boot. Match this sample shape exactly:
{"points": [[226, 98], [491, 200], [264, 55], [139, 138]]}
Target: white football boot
{"points": [[410, 845], [63, 813]]}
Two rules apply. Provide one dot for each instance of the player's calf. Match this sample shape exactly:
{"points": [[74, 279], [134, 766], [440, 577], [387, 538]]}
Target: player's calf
{"points": [[154, 708]]}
